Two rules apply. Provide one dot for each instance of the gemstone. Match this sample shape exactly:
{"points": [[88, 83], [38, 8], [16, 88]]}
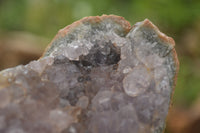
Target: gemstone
{"points": [[98, 75]]}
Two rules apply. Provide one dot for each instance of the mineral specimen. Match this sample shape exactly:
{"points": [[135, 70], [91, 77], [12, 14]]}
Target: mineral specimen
{"points": [[98, 75]]}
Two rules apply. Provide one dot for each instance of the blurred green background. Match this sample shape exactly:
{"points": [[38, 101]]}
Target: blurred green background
{"points": [[37, 21]]}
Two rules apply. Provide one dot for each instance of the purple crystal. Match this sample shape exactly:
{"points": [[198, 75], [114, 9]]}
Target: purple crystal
{"points": [[99, 75]]}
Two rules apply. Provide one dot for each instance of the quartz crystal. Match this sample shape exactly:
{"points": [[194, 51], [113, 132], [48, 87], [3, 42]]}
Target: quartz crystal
{"points": [[98, 75]]}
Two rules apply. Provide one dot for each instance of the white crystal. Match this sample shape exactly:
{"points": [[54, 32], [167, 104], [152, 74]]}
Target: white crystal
{"points": [[137, 81]]}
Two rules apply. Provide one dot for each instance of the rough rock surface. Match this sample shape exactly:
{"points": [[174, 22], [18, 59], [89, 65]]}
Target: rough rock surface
{"points": [[98, 75]]}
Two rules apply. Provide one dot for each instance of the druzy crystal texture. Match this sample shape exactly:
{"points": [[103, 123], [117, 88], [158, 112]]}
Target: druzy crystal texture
{"points": [[98, 75]]}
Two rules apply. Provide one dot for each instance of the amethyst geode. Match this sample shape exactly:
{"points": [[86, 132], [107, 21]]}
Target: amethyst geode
{"points": [[99, 75]]}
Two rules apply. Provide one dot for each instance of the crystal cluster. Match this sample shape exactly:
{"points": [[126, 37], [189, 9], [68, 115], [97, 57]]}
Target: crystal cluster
{"points": [[98, 75]]}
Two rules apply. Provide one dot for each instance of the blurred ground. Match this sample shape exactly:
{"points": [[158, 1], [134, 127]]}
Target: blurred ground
{"points": [[27, 26]]}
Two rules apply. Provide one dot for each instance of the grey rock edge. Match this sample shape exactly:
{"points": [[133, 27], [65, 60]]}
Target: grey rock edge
{"points": [[98, 75]]}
